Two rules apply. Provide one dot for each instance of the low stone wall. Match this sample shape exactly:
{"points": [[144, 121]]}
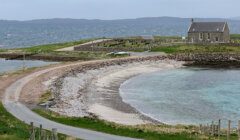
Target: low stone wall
{"points": [[118, 61], [89, 45], [20, 56], [217, 57], [221, 60], [109, 49]]}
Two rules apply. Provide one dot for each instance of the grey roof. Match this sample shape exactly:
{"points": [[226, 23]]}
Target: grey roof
{"points": [[207, 27]]}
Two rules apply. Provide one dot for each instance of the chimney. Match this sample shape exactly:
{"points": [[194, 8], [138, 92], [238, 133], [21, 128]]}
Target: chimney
{"points": [[192, 20]]}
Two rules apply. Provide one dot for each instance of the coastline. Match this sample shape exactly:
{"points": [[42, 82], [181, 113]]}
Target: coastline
{"points": [[99, 95]]}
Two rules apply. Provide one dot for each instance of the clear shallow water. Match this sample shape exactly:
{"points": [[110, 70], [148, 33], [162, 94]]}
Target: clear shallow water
{"points": [[13, 65], [186, 96]]}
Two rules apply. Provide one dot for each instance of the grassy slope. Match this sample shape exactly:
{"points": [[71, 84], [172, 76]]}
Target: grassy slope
{"points": [[200, 48], [52, 47], [103, 126], [13, 129], [50, 50], [197, 49], [10, 127]]}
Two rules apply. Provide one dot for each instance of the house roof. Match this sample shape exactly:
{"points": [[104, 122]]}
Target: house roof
{"points": [[207, 27]]}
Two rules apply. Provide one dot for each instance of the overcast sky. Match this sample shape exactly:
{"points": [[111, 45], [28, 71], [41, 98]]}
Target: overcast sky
{"points": [[116, 9]]}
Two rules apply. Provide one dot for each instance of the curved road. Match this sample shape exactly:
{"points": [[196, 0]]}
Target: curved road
{"points": [[20, 111]]}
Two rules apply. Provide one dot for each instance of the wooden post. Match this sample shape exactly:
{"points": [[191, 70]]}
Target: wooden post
{"points": [[212, 128], [44, 136], [40, 132], [31, 124], [219, 129], [239, 130], [32, 137], [47, 138], [24, 62], [228, 130], [200, 128], [54, 134], [208, 130]]}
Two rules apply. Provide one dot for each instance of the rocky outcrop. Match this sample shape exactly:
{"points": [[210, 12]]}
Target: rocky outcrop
{"points": [[209, 59]]}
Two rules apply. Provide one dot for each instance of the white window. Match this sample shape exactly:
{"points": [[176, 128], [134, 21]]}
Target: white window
{"points": [[201, 36], [209, 36]]}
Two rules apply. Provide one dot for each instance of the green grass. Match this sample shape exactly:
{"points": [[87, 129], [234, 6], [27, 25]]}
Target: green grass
{"points": [[81, 55], [235, 36], [197, 49], [52, 47], [50, 51], [10, 127], [102, 126], [3, 50], [167, 38], [13, 129]]}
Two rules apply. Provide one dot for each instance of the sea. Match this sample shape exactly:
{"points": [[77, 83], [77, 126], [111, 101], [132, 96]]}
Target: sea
{"points": [[186, 95], [7, 66]]}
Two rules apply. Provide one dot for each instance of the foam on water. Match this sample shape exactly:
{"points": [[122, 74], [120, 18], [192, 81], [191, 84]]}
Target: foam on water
{"points": [[186, 95]]}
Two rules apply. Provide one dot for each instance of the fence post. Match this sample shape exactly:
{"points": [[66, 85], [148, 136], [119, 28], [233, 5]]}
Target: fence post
{"points": [[44, 136], [40, 132], [239, 130], [200, 128], [32, 136], [212, 128], [228, 130], [219, 129], [54, 134]]}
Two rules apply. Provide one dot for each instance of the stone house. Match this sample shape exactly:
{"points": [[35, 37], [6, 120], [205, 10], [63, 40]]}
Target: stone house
{"points": [[208, 32]]}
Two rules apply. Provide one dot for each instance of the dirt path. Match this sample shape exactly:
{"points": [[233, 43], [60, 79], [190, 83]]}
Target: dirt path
{"points": [[72, 47]]}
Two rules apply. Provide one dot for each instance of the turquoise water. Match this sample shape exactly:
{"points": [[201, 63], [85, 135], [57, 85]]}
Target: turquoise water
{"points": [[186, 96], [13, 65]]}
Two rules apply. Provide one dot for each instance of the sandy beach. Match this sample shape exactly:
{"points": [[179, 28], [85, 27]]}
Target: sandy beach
{"points": [[95, 92], [91, 88]]}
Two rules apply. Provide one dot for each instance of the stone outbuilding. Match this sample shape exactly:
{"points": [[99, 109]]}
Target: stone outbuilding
{"points": [[208, 32]]}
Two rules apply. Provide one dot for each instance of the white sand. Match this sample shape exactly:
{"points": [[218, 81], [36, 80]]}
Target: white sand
{"points": [[91, 91], [112, 115]]}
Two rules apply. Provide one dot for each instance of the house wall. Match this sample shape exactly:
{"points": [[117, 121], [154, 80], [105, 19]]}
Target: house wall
{"points": [[226, 34], [195, 37], [223, 37]]}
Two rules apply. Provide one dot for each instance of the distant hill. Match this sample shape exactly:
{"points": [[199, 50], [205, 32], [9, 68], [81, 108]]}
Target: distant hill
{"points": [[44, 31], [235, 18]]}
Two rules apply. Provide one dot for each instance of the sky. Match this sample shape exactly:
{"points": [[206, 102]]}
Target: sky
{"points": [[116, 9]]}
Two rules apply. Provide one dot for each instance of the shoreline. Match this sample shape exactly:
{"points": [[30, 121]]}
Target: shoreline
{"points": [[110, 104], [99, 95]]}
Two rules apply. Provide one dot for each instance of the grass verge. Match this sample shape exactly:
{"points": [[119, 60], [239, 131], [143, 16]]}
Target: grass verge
{"points": [[52, 47], [197, 49], [111, 128], [13, 129]]}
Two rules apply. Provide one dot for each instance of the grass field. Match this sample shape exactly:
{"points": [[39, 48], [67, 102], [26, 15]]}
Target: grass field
{"points": [[197, 49], [49, 50], [2, 50], [52, 47], [102, 126], [11, 128]]}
